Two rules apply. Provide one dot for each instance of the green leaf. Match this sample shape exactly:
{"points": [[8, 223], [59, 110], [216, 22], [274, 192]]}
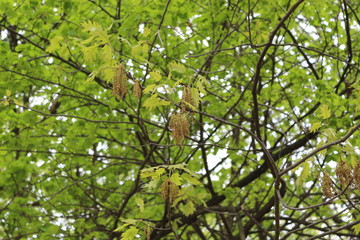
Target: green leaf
{"points": [[189, 105], [347, 147], [95, 30], [129, 221], [195, 96], [148, 174], [154, 102], [330, 134], [140, 202], [181, 166], [153, 174], [177, 67], [55, 44], [188, 208], [107, 53], [175, 178], [146, 32], [178, 82], [200, 83], [315, 126], [130, 233], [156, 76], [17, 102], [90, 53], [139, 50], [119, 229], [305, 173], [91, 26], [324, 111], [152, 184], [159, 172], [356, 228], [191, 179], [150, 88]]}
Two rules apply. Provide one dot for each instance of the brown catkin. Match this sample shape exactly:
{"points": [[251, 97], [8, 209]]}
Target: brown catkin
{"points": [[344, 173], [357, 176], [186, 98], [137, 89], [120, 85], [147, 231], [327, 187], [169, 191], [179, 125]]}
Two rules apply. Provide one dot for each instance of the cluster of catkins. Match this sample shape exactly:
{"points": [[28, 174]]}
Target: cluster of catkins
{"points": [[120, 84], [169, 190], [179, 122], [346, 176]]}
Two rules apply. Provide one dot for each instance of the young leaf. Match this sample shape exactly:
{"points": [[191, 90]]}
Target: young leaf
{"points": [[119, 229], [181, 196], [130, 233], [140, 202], [139, 50], [177, 67], [324, 111], [181, 166], [146, 32], [148, 174], [154, 102], [189, 105], [188, 208], [54, 44], [356, 228], [177, 83], [305, 173], [129, 221], [107, 53], [195, 97], [96, 31], [347, 147], [155, 75], [200, 83], [315, 127], [175, 178], [330, 134], [159, 172], [92, 76], [149, 88], [152, 184], [18, 103], [90, 53], [190, 179], [91, 26]]}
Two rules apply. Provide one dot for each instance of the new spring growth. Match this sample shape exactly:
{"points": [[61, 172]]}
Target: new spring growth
{"points": [[179, 125], [120, 85]]}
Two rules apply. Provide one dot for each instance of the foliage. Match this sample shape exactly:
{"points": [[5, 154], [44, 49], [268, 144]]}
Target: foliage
{"points": [[218, 119]]}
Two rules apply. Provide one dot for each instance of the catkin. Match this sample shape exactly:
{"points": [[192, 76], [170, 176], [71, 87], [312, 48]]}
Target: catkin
{"points": [[344, 173], [169, 191], [120, 85], [327, 187], [179, 125], [357, 176], [137, 89], [186, 98]]}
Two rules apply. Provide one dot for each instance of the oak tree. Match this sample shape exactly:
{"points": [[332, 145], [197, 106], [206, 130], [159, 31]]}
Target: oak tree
{"points": [[149, 119]]}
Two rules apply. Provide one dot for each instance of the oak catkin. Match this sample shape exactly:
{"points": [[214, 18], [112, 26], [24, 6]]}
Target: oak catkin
{"points": [[120, 85]]}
